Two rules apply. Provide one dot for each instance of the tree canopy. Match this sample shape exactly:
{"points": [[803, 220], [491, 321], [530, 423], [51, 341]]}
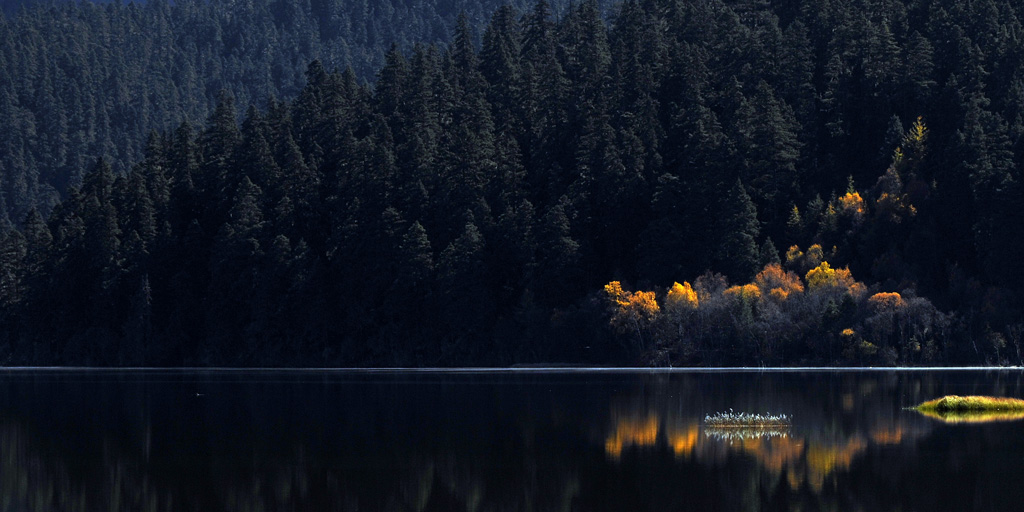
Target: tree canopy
{"points": [[469, 205]]}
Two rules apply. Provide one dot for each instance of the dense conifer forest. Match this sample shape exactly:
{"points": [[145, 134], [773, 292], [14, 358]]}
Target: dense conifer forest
{"points": [[87, 79], [781, 183]]}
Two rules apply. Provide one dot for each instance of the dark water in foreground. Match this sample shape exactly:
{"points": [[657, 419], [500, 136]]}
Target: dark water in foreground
{"points": [[323, 441]]}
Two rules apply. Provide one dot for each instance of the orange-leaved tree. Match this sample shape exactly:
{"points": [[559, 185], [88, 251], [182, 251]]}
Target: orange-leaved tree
{"points": [[681, 297], [632, 311], [777, 283]]}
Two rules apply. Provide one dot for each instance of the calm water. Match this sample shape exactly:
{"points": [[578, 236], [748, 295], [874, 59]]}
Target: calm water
{"points": [[584, 441]]}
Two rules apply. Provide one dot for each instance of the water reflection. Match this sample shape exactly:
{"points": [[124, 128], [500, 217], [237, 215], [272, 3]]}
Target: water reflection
{"points": [[808, 452], [484, 442], [648, 432], [974, 416], [745, 433]]}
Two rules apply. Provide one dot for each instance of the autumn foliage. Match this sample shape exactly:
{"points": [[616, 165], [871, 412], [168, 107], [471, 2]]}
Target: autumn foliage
{"points": [[747, 292], [681, 297], [778, 318], [778, 283], [886, 302], [824, 276], [852, 203], [632, 311]]}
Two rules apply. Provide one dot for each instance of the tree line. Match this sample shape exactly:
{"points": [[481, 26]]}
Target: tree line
{"points": [[85, 79], [470, 205]]}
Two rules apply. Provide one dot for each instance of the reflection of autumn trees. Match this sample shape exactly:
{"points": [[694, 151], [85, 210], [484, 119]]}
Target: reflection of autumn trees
{"points": [[614, 442], [650, 432], [801, 460], [838, 424]]}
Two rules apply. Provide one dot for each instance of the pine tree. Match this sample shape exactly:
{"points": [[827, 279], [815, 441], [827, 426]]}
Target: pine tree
{"points": [[391, 81], [235, 254], [796, 72], [738, 255], [154, 170], [301, 185], [556, 276], [500, 66], [217, 146], [254, 157], [769, 254], [467, 304], [309, 113], [38, 240], [671, 246], [184, 200], [510, 258], [468, 157], [416, 265], [770, 151], [918, 82], [102, 231], [135, 207], [13, 250], [545, 89]]}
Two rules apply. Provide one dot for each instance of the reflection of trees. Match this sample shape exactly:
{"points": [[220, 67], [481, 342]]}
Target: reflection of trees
{"points": [[34, 479], [974, 416], [802, 461], [635, 444], [41, 473], [836, 421], [648, 432]]}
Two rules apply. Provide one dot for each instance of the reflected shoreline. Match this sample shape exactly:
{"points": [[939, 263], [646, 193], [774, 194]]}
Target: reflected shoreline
{"points": [[513, 369], [238, 439]]}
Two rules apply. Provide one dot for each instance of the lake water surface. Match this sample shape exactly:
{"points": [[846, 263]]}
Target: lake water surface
{"points": [[509, 441]]}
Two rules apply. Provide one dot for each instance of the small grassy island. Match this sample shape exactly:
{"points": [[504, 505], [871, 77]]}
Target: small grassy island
{"points": [[973, 409], [746, 420]]}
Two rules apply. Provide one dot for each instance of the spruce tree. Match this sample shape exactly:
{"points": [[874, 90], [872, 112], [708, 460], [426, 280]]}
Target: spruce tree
{"points": [[738, 255], [556, 277]]}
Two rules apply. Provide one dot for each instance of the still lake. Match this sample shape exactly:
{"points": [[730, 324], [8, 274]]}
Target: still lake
{"points": [[510, 441]]}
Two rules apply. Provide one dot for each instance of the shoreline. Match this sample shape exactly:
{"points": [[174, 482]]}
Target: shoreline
{"points": [[539, 369]]}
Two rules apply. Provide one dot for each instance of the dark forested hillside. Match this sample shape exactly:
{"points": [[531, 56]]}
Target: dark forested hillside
{"points": [[856, 162], [81, 80]]}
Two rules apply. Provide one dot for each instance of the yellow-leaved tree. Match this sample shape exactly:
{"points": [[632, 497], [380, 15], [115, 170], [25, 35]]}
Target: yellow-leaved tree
{"points": [[852, 204], [632, 311], [745, 292], [824, 278], [681, 297], [801, 261]]}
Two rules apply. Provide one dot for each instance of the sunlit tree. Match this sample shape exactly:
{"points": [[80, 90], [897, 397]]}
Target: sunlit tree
{"points": [[681, 297], [632, 311], [824, 277], [777, 283], [886, 302]]}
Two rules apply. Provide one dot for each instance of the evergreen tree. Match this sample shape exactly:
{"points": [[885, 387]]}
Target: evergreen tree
{"points": [[556, 277], [467, 305], [738, 255], [236, 250], [770, 151], [255, 158], [500, 66], [13, 249], [217, 145]]}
